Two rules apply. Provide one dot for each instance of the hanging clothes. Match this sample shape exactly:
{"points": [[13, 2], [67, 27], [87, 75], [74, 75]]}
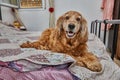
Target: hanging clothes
{"points": [[107, 7]]}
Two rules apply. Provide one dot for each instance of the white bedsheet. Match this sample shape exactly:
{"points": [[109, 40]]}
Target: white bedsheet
{"points": [[10, 36]]}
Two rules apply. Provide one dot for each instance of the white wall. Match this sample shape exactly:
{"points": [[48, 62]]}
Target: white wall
{"points": [[35, 19], [90, 9], [7, 15], [39, 19]]}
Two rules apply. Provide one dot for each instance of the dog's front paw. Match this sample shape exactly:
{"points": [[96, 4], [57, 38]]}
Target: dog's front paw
{"points": [[25, 45], [94, 66]]}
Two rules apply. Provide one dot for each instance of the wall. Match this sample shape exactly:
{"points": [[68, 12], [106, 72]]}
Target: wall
{"points": [[90, 9], [35, 19], [39, 19], [7, 15]]}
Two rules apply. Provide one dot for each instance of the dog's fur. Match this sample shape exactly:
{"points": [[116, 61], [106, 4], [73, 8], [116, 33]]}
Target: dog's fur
{"points": [[69, 36]]}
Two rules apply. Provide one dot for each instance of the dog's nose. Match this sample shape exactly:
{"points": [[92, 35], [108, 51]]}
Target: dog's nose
{"points": [[71, 26]]}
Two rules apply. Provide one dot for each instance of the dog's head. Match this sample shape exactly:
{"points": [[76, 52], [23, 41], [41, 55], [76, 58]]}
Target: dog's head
{"points": [[72, 23]]}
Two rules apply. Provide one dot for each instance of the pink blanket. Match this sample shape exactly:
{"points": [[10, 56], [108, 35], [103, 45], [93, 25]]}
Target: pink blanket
{"points": [[43, 74]]}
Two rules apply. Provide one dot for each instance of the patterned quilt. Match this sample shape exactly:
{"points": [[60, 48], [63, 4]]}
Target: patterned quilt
{"points": [[30, 59]]}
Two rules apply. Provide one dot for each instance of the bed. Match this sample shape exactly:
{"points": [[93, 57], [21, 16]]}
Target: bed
{"points": [[30, 64]]}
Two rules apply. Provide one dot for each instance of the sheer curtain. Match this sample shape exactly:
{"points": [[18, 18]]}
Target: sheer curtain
{"points": [[107, 9]]}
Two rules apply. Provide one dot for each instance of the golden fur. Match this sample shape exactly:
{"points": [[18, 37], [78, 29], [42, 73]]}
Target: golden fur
{"points": [[69, 36]]}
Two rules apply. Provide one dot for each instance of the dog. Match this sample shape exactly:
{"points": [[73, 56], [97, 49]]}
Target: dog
{"points": [[69, 36]]}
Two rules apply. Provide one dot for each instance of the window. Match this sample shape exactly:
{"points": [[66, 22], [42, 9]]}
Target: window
{"points": [[31, 3], [24, 4], [10, 3]]}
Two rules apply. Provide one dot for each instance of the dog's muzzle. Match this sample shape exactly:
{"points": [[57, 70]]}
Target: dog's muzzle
{"points": [[70, 32], [71, 26]]}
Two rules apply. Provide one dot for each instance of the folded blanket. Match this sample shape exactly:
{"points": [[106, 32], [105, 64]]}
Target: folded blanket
{"points": [[48, 73]]}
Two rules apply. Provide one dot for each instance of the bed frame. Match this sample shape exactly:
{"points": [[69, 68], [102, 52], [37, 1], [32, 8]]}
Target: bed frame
{"points": [[96, 29]]}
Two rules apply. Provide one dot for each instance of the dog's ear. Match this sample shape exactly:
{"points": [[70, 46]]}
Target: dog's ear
{"points": [[59, 26], [84, 29]]}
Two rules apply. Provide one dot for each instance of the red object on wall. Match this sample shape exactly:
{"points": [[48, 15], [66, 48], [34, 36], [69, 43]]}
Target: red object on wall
{"points": [[51, 9]]}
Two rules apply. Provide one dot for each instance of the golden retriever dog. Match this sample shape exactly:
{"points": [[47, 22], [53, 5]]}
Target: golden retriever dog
{"points": [[69, 36]]}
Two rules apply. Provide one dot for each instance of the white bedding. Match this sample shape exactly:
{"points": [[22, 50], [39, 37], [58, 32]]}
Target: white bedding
{"points": [[11, 38]]}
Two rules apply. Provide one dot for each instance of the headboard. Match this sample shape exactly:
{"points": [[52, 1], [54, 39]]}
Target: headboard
{"points": [[96, 29]]}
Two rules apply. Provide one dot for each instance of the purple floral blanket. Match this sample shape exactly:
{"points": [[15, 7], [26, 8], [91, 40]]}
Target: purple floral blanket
{"points": [[30, 59]]}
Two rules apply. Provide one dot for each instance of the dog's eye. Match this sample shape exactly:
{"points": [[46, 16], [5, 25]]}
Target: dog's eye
{"points": [[78, 19], [67, 17]]}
